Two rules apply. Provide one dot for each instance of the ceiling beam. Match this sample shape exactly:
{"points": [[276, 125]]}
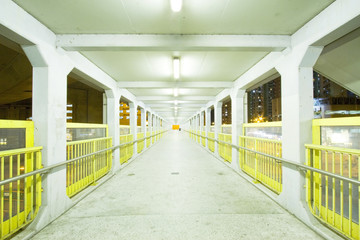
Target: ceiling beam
{"points": [[180, 98], [152, 84], [172, 105], [172, 42]]}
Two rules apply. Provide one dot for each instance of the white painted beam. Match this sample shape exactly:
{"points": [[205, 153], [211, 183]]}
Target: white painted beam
{"points": [[152, 84], [340, 18], [181, 98], [164, 105], [160, 42]]}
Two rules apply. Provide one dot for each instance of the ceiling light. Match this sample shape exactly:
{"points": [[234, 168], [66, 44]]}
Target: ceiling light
{"points": [[176, 102], [176, 5], [176, 68], [176, 92]]}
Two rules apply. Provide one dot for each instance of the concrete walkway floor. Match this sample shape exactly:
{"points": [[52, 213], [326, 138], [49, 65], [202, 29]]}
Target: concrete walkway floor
{"points": [[176, 190]]}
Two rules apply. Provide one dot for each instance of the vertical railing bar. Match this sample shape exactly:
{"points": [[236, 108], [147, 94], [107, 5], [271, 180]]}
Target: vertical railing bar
{"points": [[10, 191], [341, 193], [32, 186], [26, 194], [320, 182], [2, 177], [350, 195], [327, 187], [333, 189], [80, 180], [313, 179], [39, 160], [18, 190]]}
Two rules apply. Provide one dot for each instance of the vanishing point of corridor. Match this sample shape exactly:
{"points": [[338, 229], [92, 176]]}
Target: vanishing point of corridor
{"points": [[176, 190]]}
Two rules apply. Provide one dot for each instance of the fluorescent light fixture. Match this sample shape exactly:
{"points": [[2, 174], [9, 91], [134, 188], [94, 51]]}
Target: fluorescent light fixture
{"points": [[176, 5], [176, 92], [176, 68]]}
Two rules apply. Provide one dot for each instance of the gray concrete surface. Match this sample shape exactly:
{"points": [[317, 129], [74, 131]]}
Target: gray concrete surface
{"points": [[176, 190]]}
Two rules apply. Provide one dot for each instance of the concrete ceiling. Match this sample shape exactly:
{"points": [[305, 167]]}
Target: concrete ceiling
{"points": [[206, 66], [340, 61], [155, 17]]}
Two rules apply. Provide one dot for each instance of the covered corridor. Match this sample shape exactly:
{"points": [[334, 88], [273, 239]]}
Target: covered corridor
{"points": [[177, 190], [177, 119]]}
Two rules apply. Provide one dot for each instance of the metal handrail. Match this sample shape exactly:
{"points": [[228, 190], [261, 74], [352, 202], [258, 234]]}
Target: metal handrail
{"points": [[282, 160], [48, 168]]}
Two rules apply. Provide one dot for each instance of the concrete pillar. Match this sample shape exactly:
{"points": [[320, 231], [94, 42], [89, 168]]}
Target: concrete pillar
{"points": [[112, 116], [50, 72], [207, 124], [143, 123], [217, 124], [297, 113], [133, 124], [237, 121], [202, 121]]}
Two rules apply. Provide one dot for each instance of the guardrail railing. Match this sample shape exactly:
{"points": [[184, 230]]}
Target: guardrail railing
{"points": [[328, 174], [330, 199], [140, 144], [203, 139], [20, 199], [267, 170], [30, 178], [211, 142], [87, 170], [225, 150], [148, 140], [127, 149]]}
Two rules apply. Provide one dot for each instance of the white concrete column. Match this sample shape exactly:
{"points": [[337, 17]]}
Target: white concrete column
{"points": [[202, 121], [217, 124], [237, 121], [143, 123], [50, 72], [207, 124], [297, 114], [133, 124], [112, 116]]}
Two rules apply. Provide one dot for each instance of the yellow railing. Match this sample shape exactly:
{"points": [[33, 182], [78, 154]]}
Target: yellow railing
{"points": [[331, 200], [148, 140], [225, 150], [267, 170], [140, 144], [153, 138], [126, 151], [19, 200], [335, 202], [211, 143], [203, 139], [87, 170]]}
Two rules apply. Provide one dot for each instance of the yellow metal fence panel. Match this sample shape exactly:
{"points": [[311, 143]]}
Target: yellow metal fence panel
{"points": [[203, 138], [267, 170], [140, 144], [85, 171], [153, 138], [225, 150], [333, 201], [19, 200], [148, 140], [126, 151], [198, 136], [211, 143]]}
